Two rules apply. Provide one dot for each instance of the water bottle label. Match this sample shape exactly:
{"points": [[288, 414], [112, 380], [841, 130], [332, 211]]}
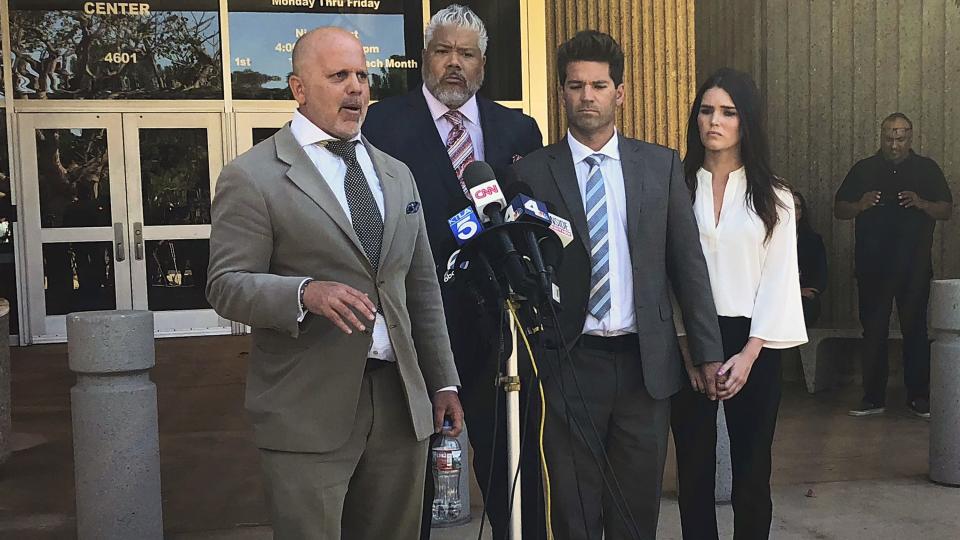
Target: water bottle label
{"points": [[449, 460]]}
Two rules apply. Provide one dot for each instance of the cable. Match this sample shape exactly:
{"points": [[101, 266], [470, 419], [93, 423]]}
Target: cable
{"points": [[616, 495], [619, 491], [496, 422], [543, 419]]}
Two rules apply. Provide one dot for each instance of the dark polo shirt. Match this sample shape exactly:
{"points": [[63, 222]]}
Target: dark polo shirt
{"points": [[891, 239]]}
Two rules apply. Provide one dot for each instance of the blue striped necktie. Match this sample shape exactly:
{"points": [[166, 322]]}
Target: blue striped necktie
{"points": [[599, 300]]}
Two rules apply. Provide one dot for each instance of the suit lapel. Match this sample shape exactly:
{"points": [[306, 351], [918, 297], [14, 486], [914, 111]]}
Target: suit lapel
{"points": [[492, 149], [634, 172], [392, 197], [306, 177], [561, 165], [433, 148]]}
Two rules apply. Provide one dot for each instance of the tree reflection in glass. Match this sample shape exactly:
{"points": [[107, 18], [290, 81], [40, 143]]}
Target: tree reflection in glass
{"points": [[175, 176], [65, 53]]}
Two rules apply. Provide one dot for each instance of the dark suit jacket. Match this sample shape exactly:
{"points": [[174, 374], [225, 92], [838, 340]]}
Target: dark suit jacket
{"points": [[664, 249], [403, 127]]}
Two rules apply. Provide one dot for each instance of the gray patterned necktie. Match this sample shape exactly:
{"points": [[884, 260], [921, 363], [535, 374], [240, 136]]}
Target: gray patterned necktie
{"points": [[366, 218]]}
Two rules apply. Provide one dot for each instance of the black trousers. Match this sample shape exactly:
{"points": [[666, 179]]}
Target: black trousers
{"points": [[490, 455], [751, 421], [877, 294]]}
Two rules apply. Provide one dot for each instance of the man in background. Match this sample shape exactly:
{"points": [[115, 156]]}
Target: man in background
{"points": [[896, 197]]}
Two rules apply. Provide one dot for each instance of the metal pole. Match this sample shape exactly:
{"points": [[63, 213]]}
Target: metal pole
{"points": [[511, 385], [116, 444], [945, 382]]}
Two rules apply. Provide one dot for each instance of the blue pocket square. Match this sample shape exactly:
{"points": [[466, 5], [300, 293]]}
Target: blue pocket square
{"points": [[413, 208]]}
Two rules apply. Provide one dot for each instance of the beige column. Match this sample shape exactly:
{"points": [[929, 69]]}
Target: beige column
{"points": [[657, 37]]}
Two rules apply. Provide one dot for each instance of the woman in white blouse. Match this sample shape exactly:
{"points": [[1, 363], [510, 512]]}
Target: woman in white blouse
{"points": [[748, 234]]}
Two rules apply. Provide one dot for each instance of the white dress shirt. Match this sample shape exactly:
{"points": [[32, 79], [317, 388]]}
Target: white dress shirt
{"points": [[751, 277], [622, 317], [469, 109], [333, 169]]}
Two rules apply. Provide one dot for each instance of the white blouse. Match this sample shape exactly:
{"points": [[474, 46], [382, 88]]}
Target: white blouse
{"points": [[750, 277]]}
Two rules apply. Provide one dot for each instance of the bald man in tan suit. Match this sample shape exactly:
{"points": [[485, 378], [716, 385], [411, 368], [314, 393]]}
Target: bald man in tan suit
{"points": [[319, 244]]}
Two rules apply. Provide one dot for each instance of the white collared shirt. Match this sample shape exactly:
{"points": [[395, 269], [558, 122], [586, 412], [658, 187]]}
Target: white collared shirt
{"points": [[470, 110], [622, 317], [333, 169], [751, 277]]}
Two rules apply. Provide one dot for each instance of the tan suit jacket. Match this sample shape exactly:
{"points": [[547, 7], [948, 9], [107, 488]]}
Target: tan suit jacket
{"points": [[276, 222]]}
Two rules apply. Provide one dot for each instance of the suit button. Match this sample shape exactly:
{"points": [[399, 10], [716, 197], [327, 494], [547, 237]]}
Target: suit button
{"points": [[381, 282]]}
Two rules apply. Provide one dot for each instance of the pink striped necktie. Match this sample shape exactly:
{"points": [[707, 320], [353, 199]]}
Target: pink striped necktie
{"points": [[459, 146]]}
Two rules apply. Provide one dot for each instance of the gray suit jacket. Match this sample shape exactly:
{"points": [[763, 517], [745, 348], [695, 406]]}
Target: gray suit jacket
{"points": [[276, 222], [664, 249]]}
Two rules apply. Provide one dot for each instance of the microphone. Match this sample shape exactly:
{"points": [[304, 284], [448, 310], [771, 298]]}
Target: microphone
{"points": [[489, 201], [524, 208], [485, 191], [560, 226], [465, 225]]}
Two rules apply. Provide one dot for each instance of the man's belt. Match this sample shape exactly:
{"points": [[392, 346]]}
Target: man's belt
{"points": [[625, 342]]}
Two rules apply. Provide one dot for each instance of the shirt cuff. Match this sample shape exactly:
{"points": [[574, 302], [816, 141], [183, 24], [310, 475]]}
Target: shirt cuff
{"points": [[303, 312], [448, 389]]}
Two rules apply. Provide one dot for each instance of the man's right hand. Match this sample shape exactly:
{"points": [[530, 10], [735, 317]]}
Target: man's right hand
{"points": [[869, 200], [340, 303], [708, 373]]}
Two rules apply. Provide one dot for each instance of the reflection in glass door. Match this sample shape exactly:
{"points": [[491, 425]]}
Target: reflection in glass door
{"points": [[118, 217], [255, 127], [76, 218], [171, 166]]}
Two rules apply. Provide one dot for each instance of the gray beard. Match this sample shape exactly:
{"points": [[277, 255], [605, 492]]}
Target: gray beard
{"points": [[452, 97]]}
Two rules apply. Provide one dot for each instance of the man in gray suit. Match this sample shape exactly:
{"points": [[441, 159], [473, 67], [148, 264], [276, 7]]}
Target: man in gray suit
{"points": [[608, 406], [319, 244]]}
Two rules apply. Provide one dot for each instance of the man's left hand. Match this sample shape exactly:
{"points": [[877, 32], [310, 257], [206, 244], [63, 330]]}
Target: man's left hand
{"points": [[447, 404], [910, 199]]}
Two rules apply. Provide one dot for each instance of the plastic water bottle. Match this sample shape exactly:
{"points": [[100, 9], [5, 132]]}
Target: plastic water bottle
{"points": [[447, 464]]}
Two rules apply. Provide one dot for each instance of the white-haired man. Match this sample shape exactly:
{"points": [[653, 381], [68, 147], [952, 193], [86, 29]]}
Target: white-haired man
{"points": [[437, 130]]}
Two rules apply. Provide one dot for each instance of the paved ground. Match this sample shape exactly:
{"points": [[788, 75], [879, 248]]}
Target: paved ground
{"points": [[835, 477]]}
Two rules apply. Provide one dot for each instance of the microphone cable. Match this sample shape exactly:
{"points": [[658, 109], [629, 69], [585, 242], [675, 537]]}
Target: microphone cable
{"points": [[543, 418], [496, 421], [617, 495]]}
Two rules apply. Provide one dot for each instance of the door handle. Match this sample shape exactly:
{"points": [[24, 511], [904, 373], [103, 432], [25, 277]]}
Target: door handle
{"points": [[120, 254], [138, 241]]}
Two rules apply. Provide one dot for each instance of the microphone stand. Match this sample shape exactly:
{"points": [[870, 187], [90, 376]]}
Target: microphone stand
{"points": [[510, 382]]}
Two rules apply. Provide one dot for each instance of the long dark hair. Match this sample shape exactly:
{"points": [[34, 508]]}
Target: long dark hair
{"points": [[762, 183]]}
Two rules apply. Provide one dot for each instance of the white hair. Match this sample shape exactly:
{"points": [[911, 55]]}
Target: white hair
{"points": [[456, 15]]}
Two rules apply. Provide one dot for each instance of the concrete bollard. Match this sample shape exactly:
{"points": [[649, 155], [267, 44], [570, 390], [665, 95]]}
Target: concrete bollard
{"points": [[945, 382], [116, 445], [6, 425], [723, 489]]}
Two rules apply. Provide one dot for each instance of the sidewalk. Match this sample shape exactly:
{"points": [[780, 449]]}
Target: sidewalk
{"points": [[835, 477]]}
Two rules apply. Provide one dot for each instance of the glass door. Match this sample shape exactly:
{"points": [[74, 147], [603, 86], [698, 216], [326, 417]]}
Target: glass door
{"points": [[117, 216], [254, 127], [76, 219], [172, 163]]}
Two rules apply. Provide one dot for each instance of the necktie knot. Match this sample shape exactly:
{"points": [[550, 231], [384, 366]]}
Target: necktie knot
{"points": [[346, 150], [455, 117], [594, 160]]}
